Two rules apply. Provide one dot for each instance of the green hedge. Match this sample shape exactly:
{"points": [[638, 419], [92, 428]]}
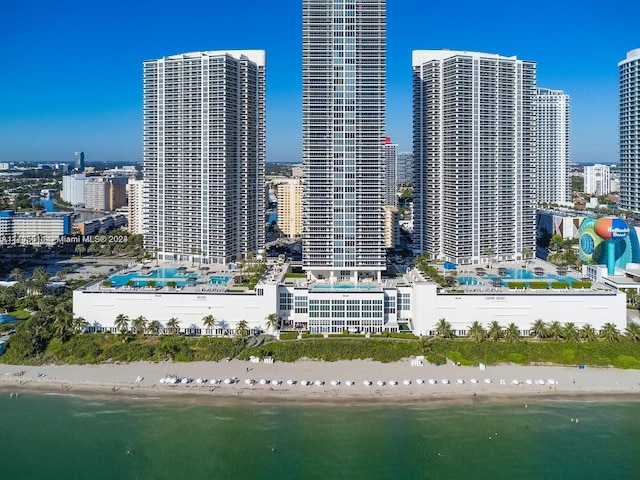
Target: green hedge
{"points": [[559, 285], [288, 335], [518, 285], [538, 285], [97, 348], [581, 285]]}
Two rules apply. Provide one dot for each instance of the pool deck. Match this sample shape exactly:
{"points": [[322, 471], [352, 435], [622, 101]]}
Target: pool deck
{"points": [[493, 272]]}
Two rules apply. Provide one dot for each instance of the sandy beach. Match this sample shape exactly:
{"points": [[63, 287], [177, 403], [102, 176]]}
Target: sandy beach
{"points": [[256, 382]]}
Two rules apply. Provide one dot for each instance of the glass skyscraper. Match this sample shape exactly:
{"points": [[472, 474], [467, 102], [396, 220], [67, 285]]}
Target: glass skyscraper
{"points": [[344, 70], [630, 131]]}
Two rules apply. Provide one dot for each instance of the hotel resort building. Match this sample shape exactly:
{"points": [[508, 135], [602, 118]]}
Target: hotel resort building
{"points": [[475, 185]]}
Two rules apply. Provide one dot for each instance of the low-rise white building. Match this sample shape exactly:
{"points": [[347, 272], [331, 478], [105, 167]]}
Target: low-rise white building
{"points": [[410, 303]]}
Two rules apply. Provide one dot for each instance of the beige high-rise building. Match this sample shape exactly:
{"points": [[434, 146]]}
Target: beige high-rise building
{"points": [[105, 193], [135, 203], [391, 226], [290, 207]]}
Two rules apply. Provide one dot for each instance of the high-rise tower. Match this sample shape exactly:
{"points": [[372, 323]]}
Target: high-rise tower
{"points": [[474, 156], [553, 147], [80, 162], [204, 155], [343, 105], [630, 131]]}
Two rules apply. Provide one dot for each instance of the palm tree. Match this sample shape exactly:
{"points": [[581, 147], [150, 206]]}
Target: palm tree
{"points": [[495, 332], [153, 327], [80, 249], [17, 274], [570, 332], [555, 330], [443, 329], [539, 328], [477, 331], [512, 334], [224, 326], [122, 323], [632, 332], [588, 333], [138, 325], [63, 325], [242, 329], [610, 333], [272, 322], [210, 323], [79, 325], [173, 326]]}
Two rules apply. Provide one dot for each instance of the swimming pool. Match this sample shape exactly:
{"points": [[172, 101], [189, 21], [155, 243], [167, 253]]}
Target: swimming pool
{"points": [[346, 286], [220, 279], [470, 281], [522, 274], [161, 276]]}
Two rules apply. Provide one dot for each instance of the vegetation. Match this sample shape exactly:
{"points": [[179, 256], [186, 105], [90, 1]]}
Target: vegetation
{"points": [[422, 264]]}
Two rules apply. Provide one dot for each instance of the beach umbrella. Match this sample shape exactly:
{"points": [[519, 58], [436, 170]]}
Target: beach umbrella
{"points": [[541, 382], [432, 381], [488, 381], [420, 381], [335, 383], [162, 380], [228, 381], [460, 381], [263, 381], [380, 383], [319, 383], [474, 380], [446, 381], [407, 382], [551, 381], [367, 383], [201, 380], [276, 382], [291, 382], [393, 382], [528, 381], [515, 382], [214, 381], [350, 383]]}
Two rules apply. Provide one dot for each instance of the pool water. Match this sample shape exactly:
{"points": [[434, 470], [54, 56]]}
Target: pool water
{"points": [[470, 281], [161, 276], [220, 279]]}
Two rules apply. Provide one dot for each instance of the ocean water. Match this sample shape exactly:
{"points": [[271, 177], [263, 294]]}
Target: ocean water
{"points": [[65, 437]]}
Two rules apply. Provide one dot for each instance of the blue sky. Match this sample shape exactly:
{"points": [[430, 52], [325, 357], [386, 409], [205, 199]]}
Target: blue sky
{"points": [[71, 75]]}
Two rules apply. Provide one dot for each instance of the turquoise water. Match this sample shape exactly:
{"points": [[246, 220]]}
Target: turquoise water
{"points": [[7, 319], [62, 437], [220, 279], [346, 286], [160, 275], [469, 281]]}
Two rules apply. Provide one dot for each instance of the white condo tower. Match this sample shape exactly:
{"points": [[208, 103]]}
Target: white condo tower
{"points": [[474, 156], [204, 155], [344, 57], [554, 146]]}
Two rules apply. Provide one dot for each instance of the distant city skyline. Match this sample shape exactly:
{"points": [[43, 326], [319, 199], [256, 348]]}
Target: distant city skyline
{"points": [[72, 69]]}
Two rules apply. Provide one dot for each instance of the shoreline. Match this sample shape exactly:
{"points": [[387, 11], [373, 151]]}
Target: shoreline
{"points": [[141, 381]]}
